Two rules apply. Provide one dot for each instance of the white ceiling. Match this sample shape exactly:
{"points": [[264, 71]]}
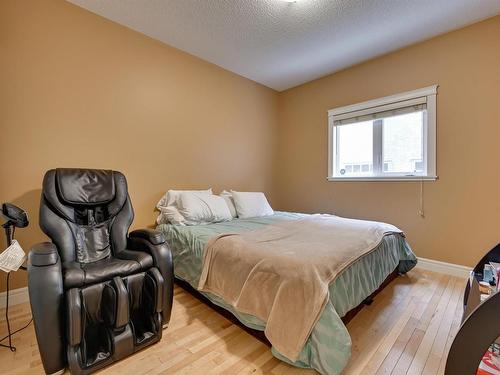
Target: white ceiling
{"points": [[283, 44]]}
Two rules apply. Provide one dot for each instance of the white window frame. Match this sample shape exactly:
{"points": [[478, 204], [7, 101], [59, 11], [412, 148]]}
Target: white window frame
{"points": [[427, 95]]}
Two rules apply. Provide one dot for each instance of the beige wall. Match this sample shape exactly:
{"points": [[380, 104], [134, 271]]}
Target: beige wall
{"points": [[463, 207], [78, 90]]}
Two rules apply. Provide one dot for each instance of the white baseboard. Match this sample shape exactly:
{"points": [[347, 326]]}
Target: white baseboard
{"points": [[443, 267], [16, 297]]}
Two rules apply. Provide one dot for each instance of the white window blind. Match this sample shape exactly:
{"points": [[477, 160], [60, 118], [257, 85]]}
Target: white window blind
{"points": [[384, 111]]}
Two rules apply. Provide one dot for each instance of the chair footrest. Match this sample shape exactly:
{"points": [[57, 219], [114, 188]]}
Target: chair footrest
{"points": [[111, 320]]}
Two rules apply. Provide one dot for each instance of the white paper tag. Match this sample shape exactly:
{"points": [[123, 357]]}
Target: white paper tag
{"points": [[12, 258]]}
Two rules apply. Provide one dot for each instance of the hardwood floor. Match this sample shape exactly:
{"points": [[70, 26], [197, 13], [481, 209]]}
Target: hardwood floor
{"points": [[408, 329]]}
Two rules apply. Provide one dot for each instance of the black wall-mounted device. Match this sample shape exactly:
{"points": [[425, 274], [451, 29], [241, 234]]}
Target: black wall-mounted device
{"points": [[16, 216]]}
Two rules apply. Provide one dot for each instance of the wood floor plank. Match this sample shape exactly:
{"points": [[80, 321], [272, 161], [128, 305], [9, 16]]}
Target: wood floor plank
{"points": [[420, 358], [409, 328], [421, 298], [378, 321], [429, 305], [398, 347], [389, 340], [437, 349], [455, 325]]}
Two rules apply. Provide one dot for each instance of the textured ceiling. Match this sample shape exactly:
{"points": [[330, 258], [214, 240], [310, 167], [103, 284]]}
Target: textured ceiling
{"points": [[282, 44]]}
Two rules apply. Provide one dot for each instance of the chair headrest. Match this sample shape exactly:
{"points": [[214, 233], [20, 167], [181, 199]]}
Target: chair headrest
{"points": [[85, 186], [66, 188]]}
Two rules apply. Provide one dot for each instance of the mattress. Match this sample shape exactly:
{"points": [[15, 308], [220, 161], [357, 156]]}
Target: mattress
{"points": [[329, 346]]}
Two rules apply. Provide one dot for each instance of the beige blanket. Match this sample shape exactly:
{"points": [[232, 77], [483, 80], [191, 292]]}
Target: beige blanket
{"points": [[281, 273]]}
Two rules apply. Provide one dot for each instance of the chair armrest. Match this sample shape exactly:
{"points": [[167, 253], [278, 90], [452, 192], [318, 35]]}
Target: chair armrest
{"points": [[153, 236], [45, 285], [43, 254]]}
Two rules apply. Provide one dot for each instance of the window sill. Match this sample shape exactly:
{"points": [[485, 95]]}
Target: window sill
{"points": [[386, 179]]}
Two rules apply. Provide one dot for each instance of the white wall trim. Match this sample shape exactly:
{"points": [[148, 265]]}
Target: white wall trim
{"points": [[443, 267], [382, 178], [16, 297]]}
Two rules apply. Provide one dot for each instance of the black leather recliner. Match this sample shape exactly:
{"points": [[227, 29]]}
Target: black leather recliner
{"points": [[97, 295]]}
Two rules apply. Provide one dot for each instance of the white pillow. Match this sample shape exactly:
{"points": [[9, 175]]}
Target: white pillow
{"points": [[228, 197], [170, 215], [168, 205], [251, 204], [203, 208], [172, 196]]}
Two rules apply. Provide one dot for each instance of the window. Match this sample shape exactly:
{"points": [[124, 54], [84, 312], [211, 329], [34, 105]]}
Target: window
{"points": [[391, 138]]}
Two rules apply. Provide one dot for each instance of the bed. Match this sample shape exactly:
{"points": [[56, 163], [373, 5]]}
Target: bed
{"points": [[328, 347]]}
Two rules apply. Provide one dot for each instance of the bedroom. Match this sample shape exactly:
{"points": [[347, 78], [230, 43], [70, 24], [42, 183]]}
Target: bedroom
{"points": [[195, 95]]}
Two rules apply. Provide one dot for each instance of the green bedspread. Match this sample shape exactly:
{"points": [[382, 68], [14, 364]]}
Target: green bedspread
{"points": [[329, 346]]}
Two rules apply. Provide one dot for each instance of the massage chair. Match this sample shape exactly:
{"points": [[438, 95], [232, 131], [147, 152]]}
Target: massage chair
{"points": [[97, 294]]}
